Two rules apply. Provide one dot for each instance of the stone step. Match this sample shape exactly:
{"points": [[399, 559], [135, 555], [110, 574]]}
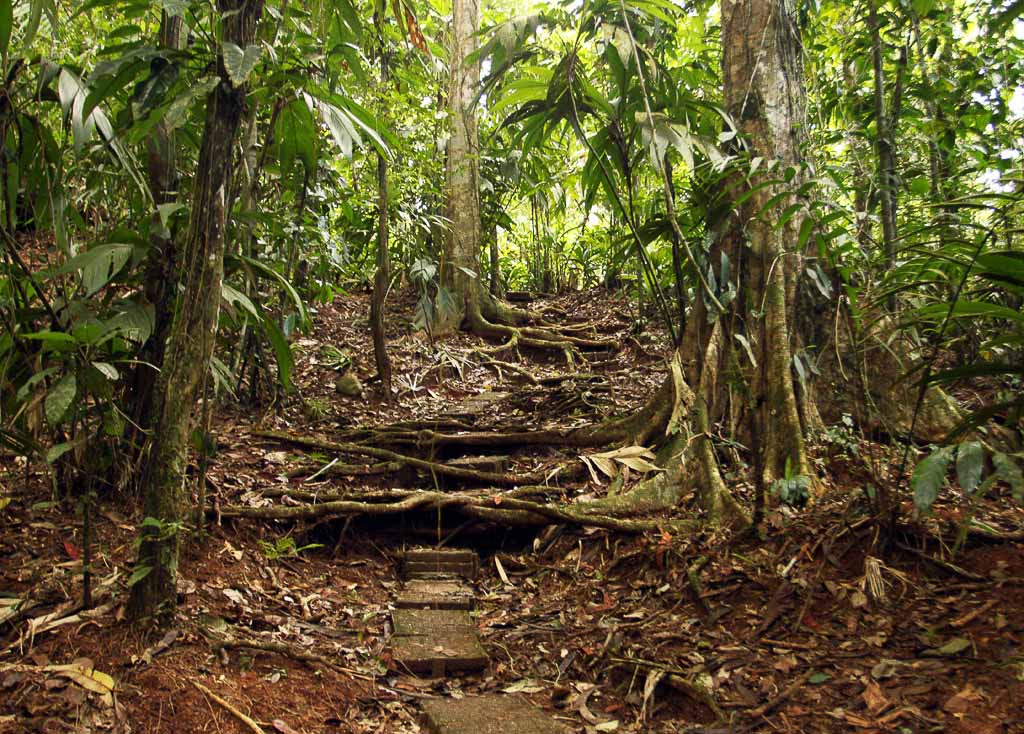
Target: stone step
{"points": [[427, 563], [446, 651], [435, 641], [493, 714], [435, 594], [408, 622]]}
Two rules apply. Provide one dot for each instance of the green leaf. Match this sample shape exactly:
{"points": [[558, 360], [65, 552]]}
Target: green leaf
{"points": [[919, 186], [58, 451], [286, 286], [99, 265], [1009, 471], [237, 298], [953, 647], [238, 63], [282, 350], [970, 460], [138, 574], [60, 398], [57, 337], [6, 25], [929, 476]]}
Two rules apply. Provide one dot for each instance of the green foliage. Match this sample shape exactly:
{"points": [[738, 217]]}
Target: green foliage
{"points": [[285, 547], [792, 488]]}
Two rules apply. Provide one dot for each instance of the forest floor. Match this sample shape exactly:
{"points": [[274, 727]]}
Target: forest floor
{"points": [[799, 631]]}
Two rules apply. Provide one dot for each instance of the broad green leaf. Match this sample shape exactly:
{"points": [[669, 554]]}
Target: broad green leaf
{"points": [[58, 450], [6, 25], [99, 264], [929, 476], [177, 111], [55, 337], [237, 298], [288, 288], [1007, 469], [297, 136], [59, 399], [238, 63], [970, 460], [139, 573], [282, 351]]}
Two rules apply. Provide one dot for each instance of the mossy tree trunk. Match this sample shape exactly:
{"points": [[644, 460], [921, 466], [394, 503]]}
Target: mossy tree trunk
{"points": [[161, 263], [193, 330], [735, 368]]}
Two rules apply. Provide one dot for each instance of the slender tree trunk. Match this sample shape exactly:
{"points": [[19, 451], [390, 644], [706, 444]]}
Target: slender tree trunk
{"points": [[884, 143], [382, 277], [161, 264], [461, 266], [496, 287], [193, 330]]}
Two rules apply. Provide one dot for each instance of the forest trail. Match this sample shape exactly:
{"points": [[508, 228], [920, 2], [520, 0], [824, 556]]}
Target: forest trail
{"points": [[290, 622], [442, 641]]}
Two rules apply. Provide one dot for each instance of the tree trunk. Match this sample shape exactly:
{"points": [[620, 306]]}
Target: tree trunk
{"points": [[496, 287], [382, 276], [462, 175], [161, 263], [884, 141], [765, 95], [473, 304], [193, 331]]}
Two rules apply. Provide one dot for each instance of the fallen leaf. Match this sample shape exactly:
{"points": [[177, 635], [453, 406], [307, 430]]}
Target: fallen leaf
{"points": [[960, 702], [953, 647], [874, 699]]}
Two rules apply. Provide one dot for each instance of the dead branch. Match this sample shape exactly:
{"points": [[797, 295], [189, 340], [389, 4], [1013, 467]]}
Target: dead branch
{"points": [[246, 720]]}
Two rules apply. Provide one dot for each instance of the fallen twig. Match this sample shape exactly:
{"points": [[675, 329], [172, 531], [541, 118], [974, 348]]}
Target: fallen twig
{"points": [[249, 722]]}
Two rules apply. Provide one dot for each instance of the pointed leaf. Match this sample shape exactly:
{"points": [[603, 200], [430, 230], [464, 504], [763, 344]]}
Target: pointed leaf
{"points": [[970, 459]]}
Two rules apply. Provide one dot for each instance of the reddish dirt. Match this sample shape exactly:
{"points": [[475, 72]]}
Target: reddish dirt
{"points": [[594, 626]]}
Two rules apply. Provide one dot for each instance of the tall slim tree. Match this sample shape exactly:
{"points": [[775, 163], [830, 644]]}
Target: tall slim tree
{"points": [[382, 276], [191, 341], [462, 172]]}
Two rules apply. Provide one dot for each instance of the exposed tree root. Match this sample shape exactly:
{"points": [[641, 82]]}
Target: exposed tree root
{"points": [[395, 459], [496, 507]]}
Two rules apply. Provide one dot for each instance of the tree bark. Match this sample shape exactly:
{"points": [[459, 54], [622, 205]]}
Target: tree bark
{"points": [[193, 330], [382, 276], [496, 287], [765, 95], [473, 304], [883, 141], [462, 174], [161, 263]]}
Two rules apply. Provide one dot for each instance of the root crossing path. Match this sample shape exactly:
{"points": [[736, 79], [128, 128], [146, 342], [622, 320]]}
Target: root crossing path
{"points": [[434, 635]]}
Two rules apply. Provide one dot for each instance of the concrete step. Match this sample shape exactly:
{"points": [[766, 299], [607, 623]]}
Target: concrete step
{"points": [[438, 654], [430, 563], [435, 641], [435, 594], [408, 622], [492, 714]]}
